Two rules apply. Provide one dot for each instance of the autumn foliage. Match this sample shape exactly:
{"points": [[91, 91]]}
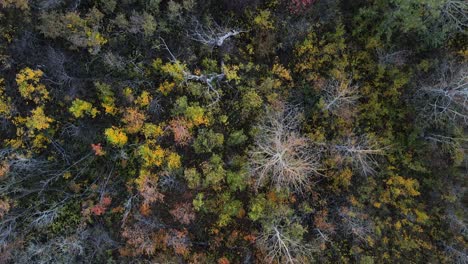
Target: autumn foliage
{"points": [[233, 131]]}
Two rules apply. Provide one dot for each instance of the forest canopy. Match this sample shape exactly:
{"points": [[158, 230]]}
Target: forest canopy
{"points": [[233, 131]]}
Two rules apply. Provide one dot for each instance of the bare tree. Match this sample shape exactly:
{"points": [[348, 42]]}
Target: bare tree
{"points": [[398, 58], [447, 97], [456, 13], [213, 35], [339, 94], [59, 250], [357, 224], [281, 156], [84, 246], [207, 79], [283, 244], [458, 255], [55, 65], [360, 152], [451, 141]]}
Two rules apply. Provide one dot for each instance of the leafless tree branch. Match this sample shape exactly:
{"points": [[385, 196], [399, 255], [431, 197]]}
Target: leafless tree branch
{"points": [[447, 97], [214, 35], [281, 155]]}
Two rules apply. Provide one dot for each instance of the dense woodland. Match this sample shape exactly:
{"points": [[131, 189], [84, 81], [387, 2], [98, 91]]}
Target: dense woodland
{"points": [[233, 131]]}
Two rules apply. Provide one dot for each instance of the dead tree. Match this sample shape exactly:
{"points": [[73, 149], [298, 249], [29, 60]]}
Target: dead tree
{"points": [[357, 224], [282, 156], [207, 79], [55, 63], [447, 98], [397, 58], [339, 95], [456, 254], [455, 12], [212, 36], [360, 152], [281, 245]]}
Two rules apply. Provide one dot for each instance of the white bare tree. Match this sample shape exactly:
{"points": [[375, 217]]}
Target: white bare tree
{"points": [[339, 94], [207, 79], [213, 35], [455, 12], [447, 97], [360, 152], [281, 156], [282, 243], [357, 224]]}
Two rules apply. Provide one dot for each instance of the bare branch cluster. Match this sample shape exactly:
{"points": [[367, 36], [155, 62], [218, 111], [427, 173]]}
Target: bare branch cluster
{"points": [[339, 95], [55, 63], [281, 245], [447, 98], [457, 255], [398, 58], [360, 152], [59, 250], [213, 35], [282, 156], [207, 79], [357, 224], [83, 246], [456, 12]]}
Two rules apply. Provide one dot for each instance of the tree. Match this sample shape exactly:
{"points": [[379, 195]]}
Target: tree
{"points": [[21, 4], [282, 242], [38, 120], [455, 14], [116, 136], [357, 224], [80, 107], [360, 152], [446, 98], [180, 129], [134, 120], [281, 156], [213, 35], [339, 96], [29, 85], [180, 73], [183, 213], [207, 140], [78, 31]]}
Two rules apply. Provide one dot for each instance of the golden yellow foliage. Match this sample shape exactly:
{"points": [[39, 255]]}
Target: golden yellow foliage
{"points": [[263, 20], [151, 156], [196, 114], [40, 141], [38, 120], [67, 175], [231, 72], [152, 131], [80, 107], [173, 161], [144, 99], [116, 136], [29, 86], [174, 69], [106, 95], [282, 72], [166, 87]]}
